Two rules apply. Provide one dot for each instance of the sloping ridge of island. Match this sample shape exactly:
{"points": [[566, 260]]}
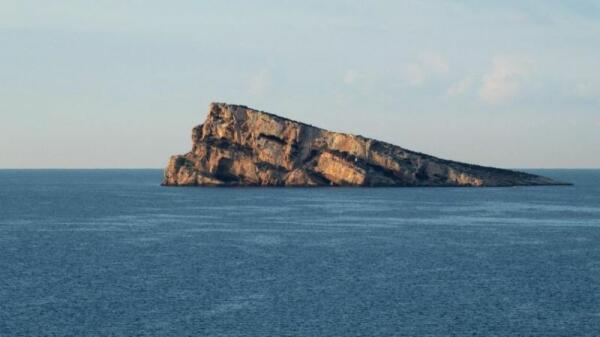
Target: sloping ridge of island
{"points": [[240, 146]]}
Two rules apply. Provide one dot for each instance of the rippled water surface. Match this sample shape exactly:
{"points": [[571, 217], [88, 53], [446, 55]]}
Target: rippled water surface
{"points": [[111, 253]]}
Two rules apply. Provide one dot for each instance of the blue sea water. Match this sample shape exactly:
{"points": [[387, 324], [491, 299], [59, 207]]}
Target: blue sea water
{"points": [[112, 253]]}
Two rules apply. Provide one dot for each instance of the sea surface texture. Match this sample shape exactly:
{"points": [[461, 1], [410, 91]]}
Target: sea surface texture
{"points": [[112, 253]]}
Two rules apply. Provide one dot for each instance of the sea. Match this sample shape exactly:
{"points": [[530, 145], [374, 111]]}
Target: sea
{"points": [[113, 253]]}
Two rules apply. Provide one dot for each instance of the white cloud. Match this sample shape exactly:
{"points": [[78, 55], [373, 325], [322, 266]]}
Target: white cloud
{"points": [[427, 66], [434, 63], [363, 81], [414, 74], [351, 76], [260, 83], [587, 91], [504, 80], [460, 88]]}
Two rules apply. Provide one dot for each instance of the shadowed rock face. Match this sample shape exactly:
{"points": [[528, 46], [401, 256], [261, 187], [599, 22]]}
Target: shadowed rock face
{"points": [[239, 146]]}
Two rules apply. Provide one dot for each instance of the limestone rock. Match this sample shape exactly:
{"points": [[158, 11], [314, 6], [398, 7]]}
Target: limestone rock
{"points": [[240, 146]]}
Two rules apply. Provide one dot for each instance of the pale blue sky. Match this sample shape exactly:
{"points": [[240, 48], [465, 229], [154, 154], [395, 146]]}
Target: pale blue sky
{"points": [[119, 83]]}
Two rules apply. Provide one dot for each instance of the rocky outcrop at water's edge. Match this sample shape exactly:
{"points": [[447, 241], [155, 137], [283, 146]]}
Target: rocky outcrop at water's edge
{"points": [[240, 146]]}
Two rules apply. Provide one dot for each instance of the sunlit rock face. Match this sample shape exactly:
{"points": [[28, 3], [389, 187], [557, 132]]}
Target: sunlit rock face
{"points": [[240, 146]]}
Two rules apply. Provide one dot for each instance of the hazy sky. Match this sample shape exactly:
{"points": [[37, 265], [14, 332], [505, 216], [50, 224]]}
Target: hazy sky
{"points": [[116, 83]]}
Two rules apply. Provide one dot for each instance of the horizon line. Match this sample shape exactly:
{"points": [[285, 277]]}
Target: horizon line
{"points": [[162, 168]]}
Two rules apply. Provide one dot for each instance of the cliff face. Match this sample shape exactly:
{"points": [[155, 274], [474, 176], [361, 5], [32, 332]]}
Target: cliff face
{"points": [[239, 146]]}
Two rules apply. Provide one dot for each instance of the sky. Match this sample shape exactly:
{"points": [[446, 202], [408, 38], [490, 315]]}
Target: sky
{"points": [[121, 83]]}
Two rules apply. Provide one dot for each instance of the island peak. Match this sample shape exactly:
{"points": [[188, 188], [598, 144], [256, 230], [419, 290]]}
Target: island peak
{"points": [[241, 146]]}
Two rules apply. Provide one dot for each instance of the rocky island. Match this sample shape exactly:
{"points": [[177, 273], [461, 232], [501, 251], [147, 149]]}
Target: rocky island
{"points": [[240, 146]]}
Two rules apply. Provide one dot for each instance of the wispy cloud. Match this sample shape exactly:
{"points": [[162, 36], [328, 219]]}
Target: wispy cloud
{"points": [[435, 63], [260, 83], [586, 90], [427, 66], [460, 87], [414, 74], [504, 80], [351, 76]]}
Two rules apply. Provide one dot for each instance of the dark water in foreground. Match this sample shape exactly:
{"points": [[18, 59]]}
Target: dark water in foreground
{"points": [[111, 253]]}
